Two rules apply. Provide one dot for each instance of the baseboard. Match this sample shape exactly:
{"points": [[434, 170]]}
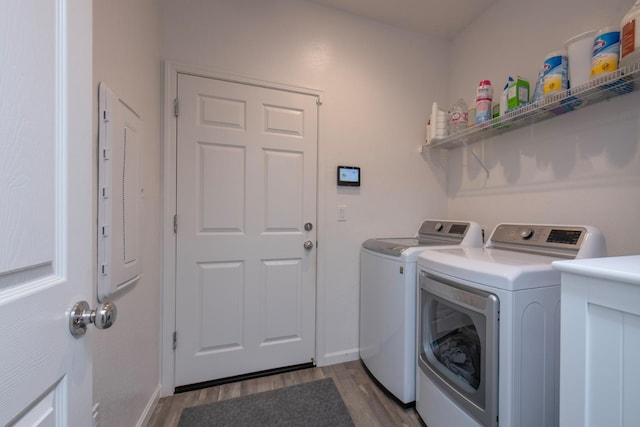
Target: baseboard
{"points": [[339, 357], [148, 410]]}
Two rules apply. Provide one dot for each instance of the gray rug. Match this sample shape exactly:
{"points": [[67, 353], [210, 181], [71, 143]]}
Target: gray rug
{"points": [[314, 404]]}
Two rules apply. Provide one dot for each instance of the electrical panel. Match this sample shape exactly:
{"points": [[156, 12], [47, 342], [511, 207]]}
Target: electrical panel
{"points": [[120, 195]]}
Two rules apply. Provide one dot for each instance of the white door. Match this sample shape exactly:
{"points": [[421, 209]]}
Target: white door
{"points": [[246, 187], [45, 210]]}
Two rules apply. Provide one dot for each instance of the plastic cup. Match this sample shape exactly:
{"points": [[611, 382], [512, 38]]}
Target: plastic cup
{"points": [[579, 51]]}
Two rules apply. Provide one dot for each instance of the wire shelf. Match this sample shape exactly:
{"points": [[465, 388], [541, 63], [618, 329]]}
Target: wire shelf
{"points": [[613, 84]]}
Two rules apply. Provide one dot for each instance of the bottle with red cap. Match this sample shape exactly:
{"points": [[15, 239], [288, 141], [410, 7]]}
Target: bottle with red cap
{"points": [[484, 97]]}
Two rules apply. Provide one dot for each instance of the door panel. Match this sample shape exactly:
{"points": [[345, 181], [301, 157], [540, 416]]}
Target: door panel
{"points": [[45, 211], [282, 304], [222, 179], [246, 184], [283, 184], [221, 287]]}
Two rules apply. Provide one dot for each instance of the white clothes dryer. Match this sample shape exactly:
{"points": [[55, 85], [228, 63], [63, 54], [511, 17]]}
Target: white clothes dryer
{"points": [[489, 327], [387, 300]]}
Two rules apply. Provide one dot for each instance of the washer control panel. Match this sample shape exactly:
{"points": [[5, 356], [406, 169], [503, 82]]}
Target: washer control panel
{"points": [[443, 228]]}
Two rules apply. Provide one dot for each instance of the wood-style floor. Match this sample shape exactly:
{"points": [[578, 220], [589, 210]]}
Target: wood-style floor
{"points": [[368, 405]]}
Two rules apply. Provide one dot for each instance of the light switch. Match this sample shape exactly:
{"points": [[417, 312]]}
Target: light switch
{"points": [[342, 213]]}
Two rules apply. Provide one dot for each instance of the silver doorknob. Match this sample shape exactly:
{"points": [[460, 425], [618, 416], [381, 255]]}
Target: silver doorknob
{"points": [[81, 315], [308, 245]]}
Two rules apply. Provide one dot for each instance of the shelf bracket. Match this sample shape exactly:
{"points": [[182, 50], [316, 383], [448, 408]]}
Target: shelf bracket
{"points": [[475, 156]]}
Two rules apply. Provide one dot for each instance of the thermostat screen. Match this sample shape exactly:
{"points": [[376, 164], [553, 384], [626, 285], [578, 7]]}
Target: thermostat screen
{"points": [[349, 176]]}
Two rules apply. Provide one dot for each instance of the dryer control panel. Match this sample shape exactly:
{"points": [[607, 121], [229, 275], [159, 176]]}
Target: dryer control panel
{"points": [[567, 241]]}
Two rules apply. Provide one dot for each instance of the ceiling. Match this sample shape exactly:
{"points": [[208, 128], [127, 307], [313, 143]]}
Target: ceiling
{"points": [[440, 18]]}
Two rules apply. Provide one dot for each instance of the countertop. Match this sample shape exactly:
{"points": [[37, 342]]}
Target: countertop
{"points": [[624, 269]]}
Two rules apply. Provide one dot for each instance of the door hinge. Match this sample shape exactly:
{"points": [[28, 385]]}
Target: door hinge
{"points": [[176, 107], [318, 102], [175, 224], [175, 340]]}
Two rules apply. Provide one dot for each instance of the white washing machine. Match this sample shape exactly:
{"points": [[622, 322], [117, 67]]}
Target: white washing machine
{"points": [[387, 300], [489, 327]]}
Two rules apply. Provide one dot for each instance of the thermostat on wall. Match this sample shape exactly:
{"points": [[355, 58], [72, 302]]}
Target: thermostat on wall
{"points": [[349, 176]]}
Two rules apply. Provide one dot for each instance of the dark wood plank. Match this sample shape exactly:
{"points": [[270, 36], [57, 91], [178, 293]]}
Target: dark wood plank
{"points": [[368, 405]]}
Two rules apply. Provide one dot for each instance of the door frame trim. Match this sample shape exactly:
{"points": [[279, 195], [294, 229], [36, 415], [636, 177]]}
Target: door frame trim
{"points": [[168, 192]]}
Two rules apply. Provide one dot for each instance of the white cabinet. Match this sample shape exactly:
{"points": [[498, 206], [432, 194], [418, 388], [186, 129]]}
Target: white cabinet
{"points": [[600, 342]]}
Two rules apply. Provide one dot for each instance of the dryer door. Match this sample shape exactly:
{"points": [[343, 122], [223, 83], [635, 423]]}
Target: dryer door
{"points": [[458, 344]]}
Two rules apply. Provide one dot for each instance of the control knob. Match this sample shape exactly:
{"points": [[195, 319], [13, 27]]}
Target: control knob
{"points": [[527, 233]]}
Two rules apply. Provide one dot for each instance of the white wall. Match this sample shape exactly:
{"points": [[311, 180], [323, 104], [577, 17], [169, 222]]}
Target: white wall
{"points": [[126, 356], [378, 84], [578, 168]]}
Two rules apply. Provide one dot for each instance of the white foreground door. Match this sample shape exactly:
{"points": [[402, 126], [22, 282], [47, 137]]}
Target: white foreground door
{"points": [[246, 187], [45, 210]]}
